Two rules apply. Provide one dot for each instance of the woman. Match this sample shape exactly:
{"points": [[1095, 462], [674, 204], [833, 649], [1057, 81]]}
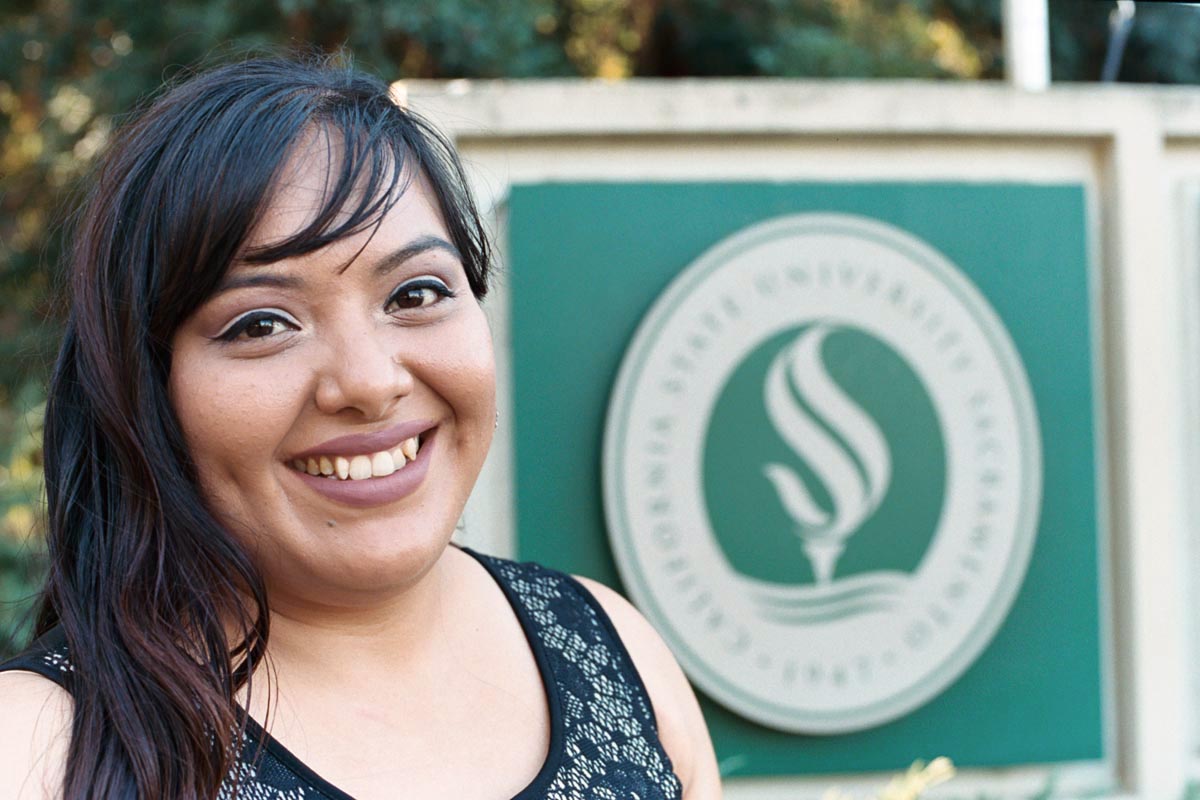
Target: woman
{"points": [[273, 397]]}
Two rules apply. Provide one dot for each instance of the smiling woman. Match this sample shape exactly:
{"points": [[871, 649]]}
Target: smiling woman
{"points": [[273, 398], [339, 357]]}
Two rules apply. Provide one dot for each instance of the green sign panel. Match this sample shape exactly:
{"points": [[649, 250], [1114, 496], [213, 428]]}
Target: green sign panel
{"points": [[836, 441]]}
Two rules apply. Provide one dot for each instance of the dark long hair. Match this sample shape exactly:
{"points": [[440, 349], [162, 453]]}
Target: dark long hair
{"points": [[143, 579]]}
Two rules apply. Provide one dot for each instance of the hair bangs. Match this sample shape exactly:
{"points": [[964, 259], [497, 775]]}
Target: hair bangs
{"points": [[368, 165]]}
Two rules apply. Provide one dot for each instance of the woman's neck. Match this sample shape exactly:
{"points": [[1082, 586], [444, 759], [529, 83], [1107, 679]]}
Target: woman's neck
{"points": [[399, 634]]}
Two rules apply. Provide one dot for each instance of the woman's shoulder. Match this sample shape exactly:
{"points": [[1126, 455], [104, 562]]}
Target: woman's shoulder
{"points": [[681, 725], [34, 736]]}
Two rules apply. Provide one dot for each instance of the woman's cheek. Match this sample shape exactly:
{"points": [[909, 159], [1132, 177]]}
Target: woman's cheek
{"points": [[236, 415], [260, 397], [481, 358], [462, 367]]}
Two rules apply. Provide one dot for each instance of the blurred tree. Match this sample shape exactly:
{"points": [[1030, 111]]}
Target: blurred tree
{"points": [[69, 69], [809, 38], [1163, 43], [903, 39], [21, 550]]}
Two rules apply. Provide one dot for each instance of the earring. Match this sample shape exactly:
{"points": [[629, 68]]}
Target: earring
{"points": [[497, 425]]}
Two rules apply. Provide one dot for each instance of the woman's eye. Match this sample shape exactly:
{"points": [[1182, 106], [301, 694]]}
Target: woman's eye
{"points": [[419, 293], [259, 325]]}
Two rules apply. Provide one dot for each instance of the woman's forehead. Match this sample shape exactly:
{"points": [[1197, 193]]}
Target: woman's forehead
{"points": [[307, 187]]}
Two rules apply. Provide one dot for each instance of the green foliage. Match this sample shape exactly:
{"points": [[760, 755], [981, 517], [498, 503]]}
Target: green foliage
{"points": [[21, 570], [1161, 48], [810, 38], [21, 506]]}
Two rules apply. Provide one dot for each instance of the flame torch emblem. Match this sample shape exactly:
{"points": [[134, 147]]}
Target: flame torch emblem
{"points": [[830, 432]]}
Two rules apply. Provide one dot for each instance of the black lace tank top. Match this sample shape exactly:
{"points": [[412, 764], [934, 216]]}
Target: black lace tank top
{"points": [[604, 741]]}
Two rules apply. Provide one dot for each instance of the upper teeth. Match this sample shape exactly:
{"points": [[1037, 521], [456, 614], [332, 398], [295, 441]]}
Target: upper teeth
{"points": [[357, 468]]}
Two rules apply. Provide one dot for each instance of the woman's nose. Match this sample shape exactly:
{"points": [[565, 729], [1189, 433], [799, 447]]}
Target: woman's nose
{"points": [[364, 370]]}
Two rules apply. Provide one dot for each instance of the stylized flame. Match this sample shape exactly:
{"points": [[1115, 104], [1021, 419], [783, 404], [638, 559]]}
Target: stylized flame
{"points": [[857, 484]]}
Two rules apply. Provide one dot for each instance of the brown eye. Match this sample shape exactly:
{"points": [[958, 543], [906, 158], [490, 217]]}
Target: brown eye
{"points": [[260, 327], [257, 325], [415, 298], [420, 293]]}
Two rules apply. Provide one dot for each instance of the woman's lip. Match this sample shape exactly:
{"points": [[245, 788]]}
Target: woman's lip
{"points": [[373, 491], [361, 444]]}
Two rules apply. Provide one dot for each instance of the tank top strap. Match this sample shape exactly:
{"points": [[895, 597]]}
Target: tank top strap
{"points": [[47, 656], [608, 724]]}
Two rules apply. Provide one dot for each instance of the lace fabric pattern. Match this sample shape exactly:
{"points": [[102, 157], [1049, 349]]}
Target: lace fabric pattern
{"points": [[264, 778], [610, 749]]}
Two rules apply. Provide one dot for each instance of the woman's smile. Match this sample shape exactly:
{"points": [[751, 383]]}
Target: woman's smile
{"points": [[365, 455], [369, 478]]}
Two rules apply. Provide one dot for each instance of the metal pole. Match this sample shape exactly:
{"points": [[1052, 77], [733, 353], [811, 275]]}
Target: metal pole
{"points": [[1120, 23], [1027, 44]]}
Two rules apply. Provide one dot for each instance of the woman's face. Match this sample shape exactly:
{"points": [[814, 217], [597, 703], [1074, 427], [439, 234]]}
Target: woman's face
{"points": [[340, 361]]}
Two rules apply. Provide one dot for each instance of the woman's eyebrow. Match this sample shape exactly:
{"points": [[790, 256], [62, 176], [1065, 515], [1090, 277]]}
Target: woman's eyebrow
{"points": [[242, 280], [416, 247]]}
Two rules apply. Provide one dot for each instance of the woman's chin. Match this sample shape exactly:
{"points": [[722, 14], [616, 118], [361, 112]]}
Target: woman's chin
{"points": [[375, 564]]}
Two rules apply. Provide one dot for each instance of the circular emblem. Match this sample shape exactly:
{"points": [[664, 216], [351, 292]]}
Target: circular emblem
{"points": [[822, 472]]}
